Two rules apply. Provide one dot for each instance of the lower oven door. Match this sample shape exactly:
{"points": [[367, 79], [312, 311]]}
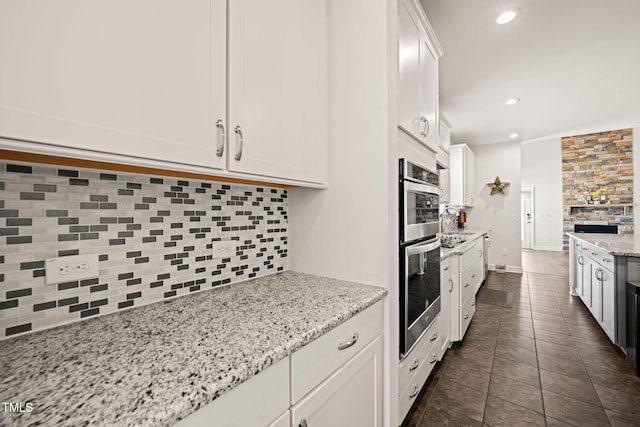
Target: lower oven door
{"points": [[419, 291]]}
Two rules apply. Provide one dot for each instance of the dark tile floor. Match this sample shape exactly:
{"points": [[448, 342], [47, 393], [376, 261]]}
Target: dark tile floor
{"points": [[543, 361]]}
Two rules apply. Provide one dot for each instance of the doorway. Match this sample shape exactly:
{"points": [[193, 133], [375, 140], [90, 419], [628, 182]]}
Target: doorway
{"points": [[527, 220]]}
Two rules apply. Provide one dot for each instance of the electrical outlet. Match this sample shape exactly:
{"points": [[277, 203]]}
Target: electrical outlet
{"points": [[223, 249], [70, 268]]}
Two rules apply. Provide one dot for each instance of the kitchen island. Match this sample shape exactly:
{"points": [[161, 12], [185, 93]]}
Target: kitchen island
{"points": [[599, 267], [157, 364]]}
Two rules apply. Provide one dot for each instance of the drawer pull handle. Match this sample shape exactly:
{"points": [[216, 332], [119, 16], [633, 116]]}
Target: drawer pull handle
{"points": [[413, 367], [466, 316], [607, 260], [434, 360], [450, 285], [466, 284], [473, 276], [415, 391], [434, 337], [446, 268], [345, 345], [303, 423]]}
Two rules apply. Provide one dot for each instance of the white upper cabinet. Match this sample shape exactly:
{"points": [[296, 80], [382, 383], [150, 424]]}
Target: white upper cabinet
{"points": [[418, 52], [462, 173], [145, 78], [144, 81], [278, 88]]}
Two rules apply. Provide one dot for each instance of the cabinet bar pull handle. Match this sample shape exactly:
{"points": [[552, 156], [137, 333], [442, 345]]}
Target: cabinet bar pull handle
{"points": [[446, 268], [413, 367], [450, 285], [220, 148], [238, 131], [303, 423], [466, 284], [473, 276], [434, 360], [434, 337], [343, 346], [480, 253], [413, 394], [473, 304], [466, 316]]}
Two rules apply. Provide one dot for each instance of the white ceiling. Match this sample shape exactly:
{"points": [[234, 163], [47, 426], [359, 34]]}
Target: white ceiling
{"points": [[575, 64]]}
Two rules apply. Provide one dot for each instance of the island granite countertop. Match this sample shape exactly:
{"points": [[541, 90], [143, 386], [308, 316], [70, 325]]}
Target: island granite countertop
{"points": [[157, 364], [624, 245]]}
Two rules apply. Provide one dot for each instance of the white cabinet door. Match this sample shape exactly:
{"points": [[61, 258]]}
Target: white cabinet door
{"points": [[579, 273], [445, 185], [409, 71], [469, 177], [429, 93], [278, 88], [143, 78], [444, 137], [596, 291], [446, 289], [418, 79], [608, 287], [352, 396]]}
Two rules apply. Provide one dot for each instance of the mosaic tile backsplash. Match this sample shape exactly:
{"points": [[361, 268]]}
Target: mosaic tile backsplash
{"points": [[153, 237]]}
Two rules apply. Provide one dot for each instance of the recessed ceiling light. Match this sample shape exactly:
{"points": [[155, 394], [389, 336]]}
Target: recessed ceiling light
{"points": [[507, 16], [512, 101], [514, 135]]}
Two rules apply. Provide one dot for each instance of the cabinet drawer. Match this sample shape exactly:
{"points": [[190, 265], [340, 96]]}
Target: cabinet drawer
{"points": [[468, 281], [468, 257], [411, 364], [602, 258], [320, 358], [409, 394], [466, 314]]}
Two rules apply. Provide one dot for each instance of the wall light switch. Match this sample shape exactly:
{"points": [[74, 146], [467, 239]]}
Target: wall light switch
{"points": [[224, 249], [70, 268]]}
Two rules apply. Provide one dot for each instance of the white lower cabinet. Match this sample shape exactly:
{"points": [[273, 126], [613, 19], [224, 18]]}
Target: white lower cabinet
{"points": [[351, 396], [594, 281], [446, 288], [416, 367], [466, 275], [335, 380], [267, 394]]}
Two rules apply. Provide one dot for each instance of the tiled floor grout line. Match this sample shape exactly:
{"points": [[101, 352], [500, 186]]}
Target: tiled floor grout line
{"points": [[493, 361], [535, 346]]}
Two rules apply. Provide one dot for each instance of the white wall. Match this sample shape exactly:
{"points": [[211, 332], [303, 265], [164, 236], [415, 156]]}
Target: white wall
{"points": [[350, 230], [500, 212], [542, 171]]}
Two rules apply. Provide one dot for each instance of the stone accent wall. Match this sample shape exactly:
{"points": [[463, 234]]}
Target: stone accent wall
{"points": [[599, 161]]}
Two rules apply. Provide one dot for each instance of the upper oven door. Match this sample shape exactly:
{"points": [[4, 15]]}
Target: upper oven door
{"points": [[420, 211]]}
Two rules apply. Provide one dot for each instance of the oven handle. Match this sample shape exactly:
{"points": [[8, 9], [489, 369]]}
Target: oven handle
{"points": [[421, 188], [429, 246]]}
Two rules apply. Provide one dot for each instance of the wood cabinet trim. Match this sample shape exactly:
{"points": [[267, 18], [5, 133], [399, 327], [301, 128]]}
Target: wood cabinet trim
{"points": [[20, 156]]}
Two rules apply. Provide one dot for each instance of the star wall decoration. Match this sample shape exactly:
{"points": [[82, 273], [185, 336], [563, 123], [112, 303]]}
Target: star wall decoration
{"points": [[497, 186]]}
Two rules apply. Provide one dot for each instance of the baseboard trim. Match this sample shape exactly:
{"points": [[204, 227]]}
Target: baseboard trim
{"points": [[509, 268], [547, 248]]}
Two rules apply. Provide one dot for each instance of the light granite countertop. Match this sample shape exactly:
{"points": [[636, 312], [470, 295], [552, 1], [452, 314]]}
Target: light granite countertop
{"points": [[470, 235], [156, 364], [627, 245]]}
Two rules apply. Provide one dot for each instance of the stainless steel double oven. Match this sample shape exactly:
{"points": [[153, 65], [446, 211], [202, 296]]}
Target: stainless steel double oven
{"points": [[419, 252]]}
